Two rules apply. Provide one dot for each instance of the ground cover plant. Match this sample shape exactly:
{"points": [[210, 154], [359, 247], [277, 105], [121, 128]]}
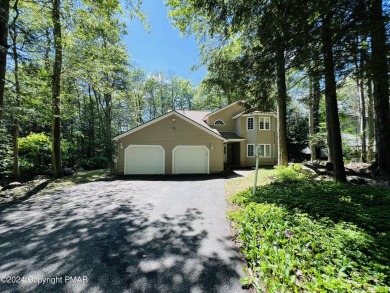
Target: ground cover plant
{"points": [[302, 235]]}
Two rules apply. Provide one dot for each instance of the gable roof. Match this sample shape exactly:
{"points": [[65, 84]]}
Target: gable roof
{"points": [[219, 110], [198, 117], [203, 126]]}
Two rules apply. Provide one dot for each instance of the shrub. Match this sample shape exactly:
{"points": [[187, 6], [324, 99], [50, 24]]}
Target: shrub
{"points": [[289, 174], [94, 163], [35, 152]]}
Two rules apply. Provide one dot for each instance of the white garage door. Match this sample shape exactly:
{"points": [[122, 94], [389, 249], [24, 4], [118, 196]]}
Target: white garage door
{"points": [[190, 160], [144, 159]]}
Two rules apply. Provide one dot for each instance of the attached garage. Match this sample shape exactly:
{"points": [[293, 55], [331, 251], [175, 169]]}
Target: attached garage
{"points": [[170, 144], [144, 159], [190, 160]]}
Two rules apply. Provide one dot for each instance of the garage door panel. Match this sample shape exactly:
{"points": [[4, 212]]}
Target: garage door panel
{"points": [[190, 160], [144, 159]]}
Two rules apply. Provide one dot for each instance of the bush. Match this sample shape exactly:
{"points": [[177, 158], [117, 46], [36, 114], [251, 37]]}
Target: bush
{"points": [[94, 163], [35, 153], [289, 174]]}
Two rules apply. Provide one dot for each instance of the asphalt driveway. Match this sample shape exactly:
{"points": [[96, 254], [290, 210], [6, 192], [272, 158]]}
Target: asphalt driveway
{"points": [[121, 236]]}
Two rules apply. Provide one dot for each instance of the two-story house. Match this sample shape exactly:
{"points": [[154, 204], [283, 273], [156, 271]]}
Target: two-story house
{"points": [[198, 142]]}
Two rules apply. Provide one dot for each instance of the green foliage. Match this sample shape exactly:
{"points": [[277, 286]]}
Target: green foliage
{"points": [[350, 153], [35, 153], [6, 160], [289, 174], [94, 163], [299, 235], [297, 134]]}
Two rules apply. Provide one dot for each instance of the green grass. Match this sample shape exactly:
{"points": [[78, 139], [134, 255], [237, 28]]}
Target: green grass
{"points": [[301, 235], [234, 185]]}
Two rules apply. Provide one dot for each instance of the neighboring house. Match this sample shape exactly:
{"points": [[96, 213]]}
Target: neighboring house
{"points": [[197, 142]]}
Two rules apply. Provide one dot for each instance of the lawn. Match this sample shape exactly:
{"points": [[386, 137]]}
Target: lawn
{"points": [[302, 235]]}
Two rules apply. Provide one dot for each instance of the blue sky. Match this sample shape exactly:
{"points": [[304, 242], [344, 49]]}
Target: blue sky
{"points": [[162, 49]]}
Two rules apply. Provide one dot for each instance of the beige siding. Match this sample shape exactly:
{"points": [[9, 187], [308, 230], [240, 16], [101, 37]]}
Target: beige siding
{"points": [[170, 134], [225, 115], [238, 126], [256, 137]]}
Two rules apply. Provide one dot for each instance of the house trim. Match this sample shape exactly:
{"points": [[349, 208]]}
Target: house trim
{"points": [[270, 151], [269, 123], [219, 124], [244, 114], [253, 123], [247, 154]]}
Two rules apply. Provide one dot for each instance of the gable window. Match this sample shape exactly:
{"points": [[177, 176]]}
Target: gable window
{"points": [[249, 123], [219, 122], [264, 123], [250, 150], [265, 150]]}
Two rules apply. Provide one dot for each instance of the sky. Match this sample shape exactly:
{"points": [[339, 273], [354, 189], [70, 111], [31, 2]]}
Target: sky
{"points": [[162, 49]]}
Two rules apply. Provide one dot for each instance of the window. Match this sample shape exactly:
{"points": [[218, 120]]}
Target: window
{"points": [[219, 122], [264, 123], [265, 150], [250, 150], [249, 123]]}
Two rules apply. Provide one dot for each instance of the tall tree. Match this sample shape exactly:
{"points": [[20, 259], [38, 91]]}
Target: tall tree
{"points": [[371, 121], [281, 102], [314, 119], [4, 16], [15, 137], [56, 89], [262, 29], [379, 70], [331, 97]]}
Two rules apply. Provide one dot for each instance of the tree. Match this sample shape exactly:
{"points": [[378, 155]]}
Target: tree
{"points": [[56, 89], [262, 29], [379, 70], [314, 117], [4, 15], [331, 98], [15, 140]]}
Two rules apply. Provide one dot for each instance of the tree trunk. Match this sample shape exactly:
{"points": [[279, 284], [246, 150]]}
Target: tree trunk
{"points": [[329, 140], [362, 103], [4, 15], [56, 90], [311, 123], [379, 70], [314, 121], [282, 105], [331, 100], [91, 124], [371, 123], [108, 121], [15, 138]]}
